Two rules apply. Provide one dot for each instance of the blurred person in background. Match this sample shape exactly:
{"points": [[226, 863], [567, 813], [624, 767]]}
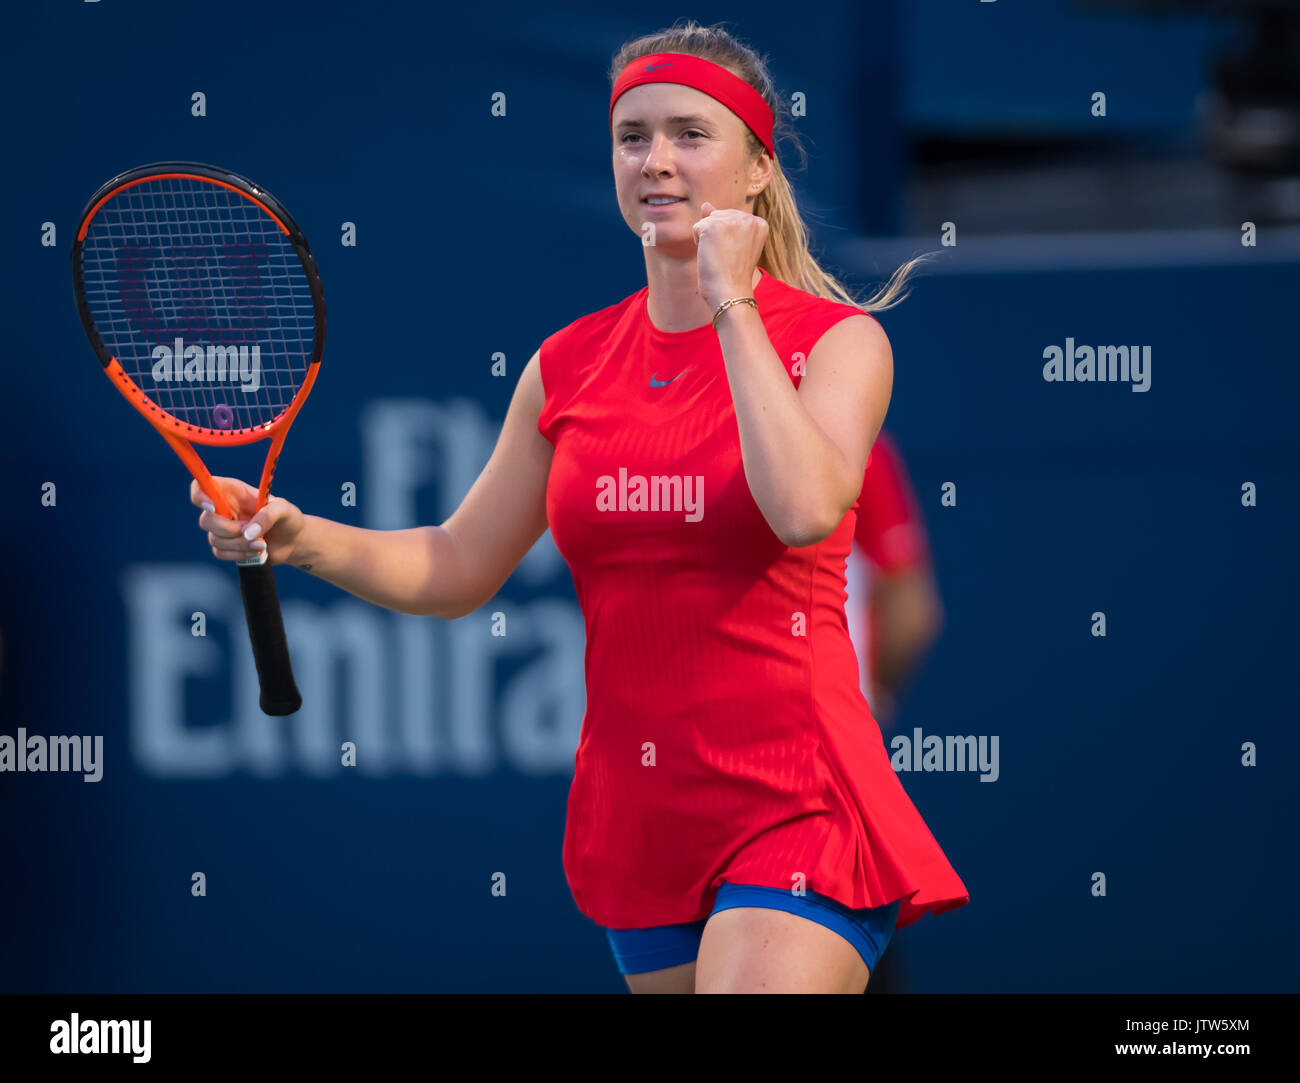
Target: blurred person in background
{"points": [[893, 609]]}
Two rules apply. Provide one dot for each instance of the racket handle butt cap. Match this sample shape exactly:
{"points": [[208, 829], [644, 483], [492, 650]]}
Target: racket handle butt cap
{"points": [[279, 708]]}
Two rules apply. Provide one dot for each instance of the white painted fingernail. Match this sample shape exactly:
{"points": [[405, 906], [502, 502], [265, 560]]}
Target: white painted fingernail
{"points": [[253, 531], [258, 545], [208, 506]]}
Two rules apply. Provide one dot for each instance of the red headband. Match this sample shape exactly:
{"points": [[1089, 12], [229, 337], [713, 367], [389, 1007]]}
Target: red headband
{"points": [[713, 79]]}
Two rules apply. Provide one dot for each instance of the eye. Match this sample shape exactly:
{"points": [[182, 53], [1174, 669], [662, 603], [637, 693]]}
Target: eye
{"points": [[689, 131]]}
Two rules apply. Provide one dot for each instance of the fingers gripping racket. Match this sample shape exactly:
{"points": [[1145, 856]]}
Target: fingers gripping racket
{"points": [[202, 300]]}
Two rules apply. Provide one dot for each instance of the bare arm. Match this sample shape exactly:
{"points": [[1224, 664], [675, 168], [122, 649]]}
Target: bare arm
{"points": [[804, 450], [443, 571]]}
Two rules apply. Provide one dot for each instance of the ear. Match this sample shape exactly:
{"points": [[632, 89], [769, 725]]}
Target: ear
{"points": [[760, 174]]}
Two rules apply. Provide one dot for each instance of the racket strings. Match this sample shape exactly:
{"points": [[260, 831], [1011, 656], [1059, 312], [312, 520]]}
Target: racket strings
{"points": [[202, 300]]}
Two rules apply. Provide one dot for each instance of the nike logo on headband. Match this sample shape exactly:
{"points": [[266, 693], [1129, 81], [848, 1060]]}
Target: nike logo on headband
{"points": [[665, 64]]}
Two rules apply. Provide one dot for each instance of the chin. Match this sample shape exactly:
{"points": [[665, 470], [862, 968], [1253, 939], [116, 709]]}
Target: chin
{"points": [[672, 235]]}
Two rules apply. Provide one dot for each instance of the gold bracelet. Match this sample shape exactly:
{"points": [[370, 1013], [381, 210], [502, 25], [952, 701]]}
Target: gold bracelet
{"points": [[727, 304]]}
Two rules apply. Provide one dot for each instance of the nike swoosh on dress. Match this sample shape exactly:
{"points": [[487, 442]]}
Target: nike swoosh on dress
{"points": [[656, 382]]}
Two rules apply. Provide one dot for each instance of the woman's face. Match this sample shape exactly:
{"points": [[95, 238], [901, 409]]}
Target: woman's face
{"points": [[674, 140]]}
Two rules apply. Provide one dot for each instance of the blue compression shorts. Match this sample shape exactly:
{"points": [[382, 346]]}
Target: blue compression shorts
{"points": [[869, 929]]}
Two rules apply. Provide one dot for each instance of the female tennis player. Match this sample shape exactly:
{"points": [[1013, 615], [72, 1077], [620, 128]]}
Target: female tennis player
{"points": [[697, 450]]}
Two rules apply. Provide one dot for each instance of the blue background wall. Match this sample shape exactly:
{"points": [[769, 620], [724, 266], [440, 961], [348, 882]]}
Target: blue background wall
{"points": [[479, 234]]}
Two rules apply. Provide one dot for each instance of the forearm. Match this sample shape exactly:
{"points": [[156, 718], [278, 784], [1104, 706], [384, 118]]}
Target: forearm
{"points": [[907, 617], [793, 468], [412, 571]]}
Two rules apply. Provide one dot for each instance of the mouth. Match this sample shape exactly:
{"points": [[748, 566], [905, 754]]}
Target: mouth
{"points": [[657, 202]]}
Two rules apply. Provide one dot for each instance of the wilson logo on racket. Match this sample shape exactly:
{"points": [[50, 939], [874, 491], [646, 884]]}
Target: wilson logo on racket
{"points": [[183, 272], [218, 364]]}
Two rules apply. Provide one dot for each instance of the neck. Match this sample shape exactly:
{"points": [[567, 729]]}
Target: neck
{"points": [[673, 299]]}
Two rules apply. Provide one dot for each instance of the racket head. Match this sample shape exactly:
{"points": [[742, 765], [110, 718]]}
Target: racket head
{"points": [[202, 300]]}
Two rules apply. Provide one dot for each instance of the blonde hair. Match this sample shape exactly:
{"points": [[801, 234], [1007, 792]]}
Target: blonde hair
{"points": [[785, 254]]}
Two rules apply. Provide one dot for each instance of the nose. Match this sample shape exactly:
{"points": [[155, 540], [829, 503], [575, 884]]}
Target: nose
{"points": [[659, 157]]}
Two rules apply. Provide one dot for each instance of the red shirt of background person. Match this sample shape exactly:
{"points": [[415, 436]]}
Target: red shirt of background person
{"points": [[893, 608]]}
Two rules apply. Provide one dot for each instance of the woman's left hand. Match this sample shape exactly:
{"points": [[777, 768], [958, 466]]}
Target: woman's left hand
{"points": [[729, 244]]}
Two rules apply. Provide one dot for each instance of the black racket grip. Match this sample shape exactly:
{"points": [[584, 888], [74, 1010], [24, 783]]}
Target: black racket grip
{"points": [[280, 695]]}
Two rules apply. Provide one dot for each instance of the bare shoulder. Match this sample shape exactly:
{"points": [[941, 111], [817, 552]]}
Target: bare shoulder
{"points": [[529, 392], [846, 387], [859, 334], [852, 353]]}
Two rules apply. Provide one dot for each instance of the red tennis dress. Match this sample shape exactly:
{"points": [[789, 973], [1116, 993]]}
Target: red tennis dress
{"points": [[725, 735]]}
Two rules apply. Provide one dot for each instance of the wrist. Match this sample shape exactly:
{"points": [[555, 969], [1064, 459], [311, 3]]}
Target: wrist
{"points": [[736, 289], [304, 551], [728, 306]]}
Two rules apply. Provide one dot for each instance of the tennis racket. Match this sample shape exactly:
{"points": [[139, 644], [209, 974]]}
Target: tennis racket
{"points": [[203, 303]]}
